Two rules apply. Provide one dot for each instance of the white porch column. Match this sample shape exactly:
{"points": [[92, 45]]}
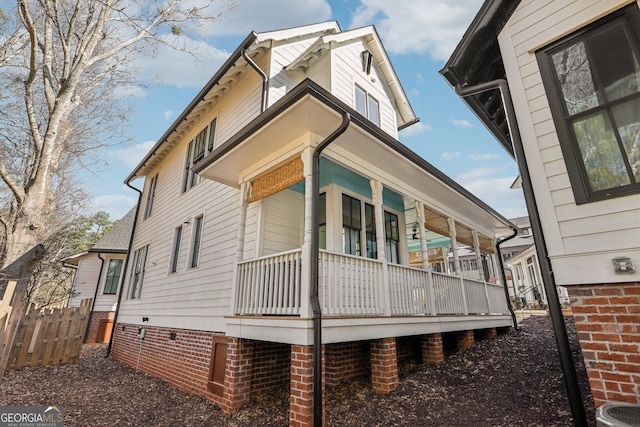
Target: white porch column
{"points": [[454, 245], [376, 196], [431, 296], [423, 235], [476, 249], [245, 187], [305, 302]]}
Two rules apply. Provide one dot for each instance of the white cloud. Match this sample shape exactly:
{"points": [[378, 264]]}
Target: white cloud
{"points": [[131, 156], [450, 155], [415, 129], [478, 173], [406, 26], [168, 114], [268, 15], [461, 123], [116, 205], [480, 157], [496, 192]]}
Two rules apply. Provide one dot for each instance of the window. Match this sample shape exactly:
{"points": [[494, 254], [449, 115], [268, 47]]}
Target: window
{"points": [[592, 79], [150, 196], [392, 237], [137, 272], [195, 243], [113, 277], [367, 105], [322, 221], [351, 225], [370, 231], [175, 252], [198, 148]]}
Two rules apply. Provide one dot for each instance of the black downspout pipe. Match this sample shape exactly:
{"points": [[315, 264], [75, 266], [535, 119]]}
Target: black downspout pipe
{"points": [[315, 255], [124, 269], [555, 310], [503, 276], [95, 295], [263, 75]]}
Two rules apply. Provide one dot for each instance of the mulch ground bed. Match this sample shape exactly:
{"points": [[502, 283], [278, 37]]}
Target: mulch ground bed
{"points": [[511, 380]]}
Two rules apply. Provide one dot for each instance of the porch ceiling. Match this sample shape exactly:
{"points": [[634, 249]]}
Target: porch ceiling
{"points": [[276, 136]]}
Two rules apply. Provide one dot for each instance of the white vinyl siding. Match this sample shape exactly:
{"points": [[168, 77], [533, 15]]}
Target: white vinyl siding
{"points": [[581, 239]]}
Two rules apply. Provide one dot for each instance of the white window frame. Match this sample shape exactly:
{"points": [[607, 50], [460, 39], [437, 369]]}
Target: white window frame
{"points": [[138, 267], [195, 247], [148, 208], [206, 137], [174, 259], [368, 100], [106, 277]]}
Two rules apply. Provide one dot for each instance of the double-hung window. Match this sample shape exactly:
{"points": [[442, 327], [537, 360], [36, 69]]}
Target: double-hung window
{"points": [[367, 105], [113, 277], [392, 237], [196, 242], [197, 149], [175, 251], [351, 225], [592, 79], [137, 272], [150, 196]]}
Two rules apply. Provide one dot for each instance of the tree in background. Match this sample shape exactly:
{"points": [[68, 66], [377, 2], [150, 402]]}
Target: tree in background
{"points": [[64, 72], [50, 283]]}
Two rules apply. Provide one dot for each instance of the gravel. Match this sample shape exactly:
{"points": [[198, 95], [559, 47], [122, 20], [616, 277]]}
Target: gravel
{"points": [[513, 379]]}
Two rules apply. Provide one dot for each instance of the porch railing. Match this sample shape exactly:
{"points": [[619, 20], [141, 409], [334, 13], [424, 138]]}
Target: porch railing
{"points": [[356, 286]]}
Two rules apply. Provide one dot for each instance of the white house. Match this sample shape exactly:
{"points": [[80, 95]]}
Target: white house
{"points": [[98, 275], [277, 212], [574, 91]]}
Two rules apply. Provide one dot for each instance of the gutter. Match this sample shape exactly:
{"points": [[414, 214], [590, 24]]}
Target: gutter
{"points": [[95, 295], [314, 268], [555, 310], [503, 276], [124, 268]]}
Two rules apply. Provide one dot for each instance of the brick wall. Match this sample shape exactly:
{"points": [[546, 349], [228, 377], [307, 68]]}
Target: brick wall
{"points": [[96, 318], [607, 318], [347, 360], [185, 362]]}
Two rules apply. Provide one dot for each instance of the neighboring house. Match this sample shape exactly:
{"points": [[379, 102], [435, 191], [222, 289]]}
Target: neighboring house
{"points": [[221, 281], [97, 276], [574, 79]]}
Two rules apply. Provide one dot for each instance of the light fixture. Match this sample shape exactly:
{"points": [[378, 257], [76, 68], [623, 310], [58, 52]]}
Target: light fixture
{"points": [[367, 60], [172, 336], [623, 264]]}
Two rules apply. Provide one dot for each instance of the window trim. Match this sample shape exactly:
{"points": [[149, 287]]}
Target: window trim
{"points": [[112, 290], [207, 137], [196, 241], [148, 208], [368, 98], [135, 283], [576, 169], [175, 249]]}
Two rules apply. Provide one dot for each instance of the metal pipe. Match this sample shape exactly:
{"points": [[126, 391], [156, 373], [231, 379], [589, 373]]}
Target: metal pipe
{"points": [[95, 295], [124, 268], [314, 268], [555, 310], [263, 75], [503, 276]]}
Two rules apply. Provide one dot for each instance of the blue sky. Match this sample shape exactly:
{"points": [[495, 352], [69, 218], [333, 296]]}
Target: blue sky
{"points": [[419, 35]]}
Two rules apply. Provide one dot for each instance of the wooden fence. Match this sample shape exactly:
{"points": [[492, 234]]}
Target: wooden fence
{"points": [[10, 319], [38, 339]]}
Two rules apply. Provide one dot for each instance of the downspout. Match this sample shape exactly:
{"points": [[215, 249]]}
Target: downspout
{"points": [[555, 310], [314, 268], [124, 268], [503, 276], [95, 295], [263, 75]]}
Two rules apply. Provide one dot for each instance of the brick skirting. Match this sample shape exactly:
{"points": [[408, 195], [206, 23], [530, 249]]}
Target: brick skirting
{"points": [[607, 318]]}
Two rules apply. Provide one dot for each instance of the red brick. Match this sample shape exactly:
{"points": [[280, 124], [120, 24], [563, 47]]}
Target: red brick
{"points": [[607, 291], [628, 348]]}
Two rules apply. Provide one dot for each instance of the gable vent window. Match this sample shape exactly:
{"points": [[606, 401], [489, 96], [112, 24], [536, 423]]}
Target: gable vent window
{"points": [[367, 105], [202, 145], [592, 80]]}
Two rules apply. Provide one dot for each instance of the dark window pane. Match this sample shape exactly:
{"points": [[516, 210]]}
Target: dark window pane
{"points": [[370, 226], [574, 75], [374, 110], [600, 153], [627, 118], [195, 250], [212, 135]]}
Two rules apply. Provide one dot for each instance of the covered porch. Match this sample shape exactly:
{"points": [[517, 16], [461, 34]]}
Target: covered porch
{"points": [[380, 208]]}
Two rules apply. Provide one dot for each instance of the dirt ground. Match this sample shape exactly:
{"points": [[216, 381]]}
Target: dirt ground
{"points": [[511, 380]]}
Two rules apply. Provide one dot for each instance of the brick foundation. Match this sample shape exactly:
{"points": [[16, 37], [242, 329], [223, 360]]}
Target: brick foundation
{"points": [[100, 327], [465, 339], [344, 361], [384, 365], [607, 318], [238, 375], [432, 349], [301, 399]]}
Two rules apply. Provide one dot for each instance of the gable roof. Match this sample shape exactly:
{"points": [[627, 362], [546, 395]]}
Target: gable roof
{"points": [[404, 112], [234, 68], [477, 59], [117, 239]]}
